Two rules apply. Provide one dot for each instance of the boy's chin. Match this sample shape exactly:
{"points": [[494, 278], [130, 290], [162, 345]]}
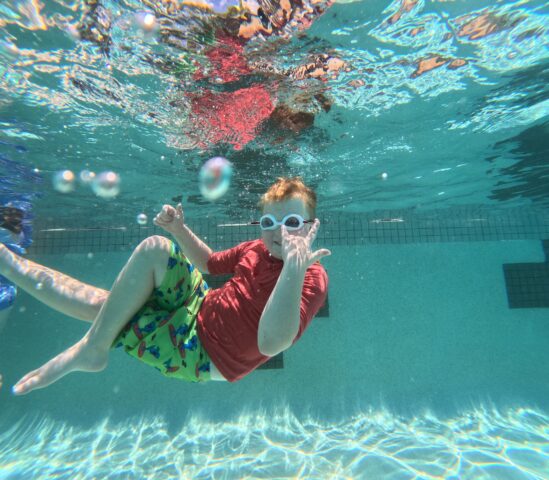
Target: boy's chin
{"points": [[276, 254]]}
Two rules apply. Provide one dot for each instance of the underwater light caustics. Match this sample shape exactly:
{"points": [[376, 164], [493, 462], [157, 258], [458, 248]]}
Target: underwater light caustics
{"points": [[369, 444]]}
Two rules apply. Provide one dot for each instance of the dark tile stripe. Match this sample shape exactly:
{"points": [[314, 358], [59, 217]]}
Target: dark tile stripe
{"points": [[527, 284], [406, 226]]}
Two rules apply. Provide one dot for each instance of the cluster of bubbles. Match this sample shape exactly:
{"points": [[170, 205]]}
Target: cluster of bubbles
{"points": [[104, 185], [215, 178]]}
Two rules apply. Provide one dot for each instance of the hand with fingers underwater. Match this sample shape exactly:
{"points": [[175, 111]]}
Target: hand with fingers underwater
{"points": [[297, 248], [170, 219]]}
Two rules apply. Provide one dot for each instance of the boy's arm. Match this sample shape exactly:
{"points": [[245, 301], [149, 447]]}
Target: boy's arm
{"points": [[173, 221], [193, 248], [279, 322]]}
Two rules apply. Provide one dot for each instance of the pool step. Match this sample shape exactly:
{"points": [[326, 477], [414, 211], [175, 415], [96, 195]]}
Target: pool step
{"points": [[528, 283]]}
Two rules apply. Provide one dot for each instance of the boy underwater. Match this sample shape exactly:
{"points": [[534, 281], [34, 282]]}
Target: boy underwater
{"points": [[162, 312]]}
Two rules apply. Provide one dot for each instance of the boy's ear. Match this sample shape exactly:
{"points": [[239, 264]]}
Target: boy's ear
{"points": [[11, 219]]}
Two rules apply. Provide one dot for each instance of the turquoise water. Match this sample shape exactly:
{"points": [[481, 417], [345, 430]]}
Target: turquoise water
{"points": [[431, 379], [423, 367]]}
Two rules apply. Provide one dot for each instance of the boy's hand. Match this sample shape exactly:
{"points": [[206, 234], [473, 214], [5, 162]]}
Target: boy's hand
{"points": [[170, 219], [296, 249]]}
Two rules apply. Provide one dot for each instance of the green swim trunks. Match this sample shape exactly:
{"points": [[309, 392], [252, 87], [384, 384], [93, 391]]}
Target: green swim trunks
{"points": [[163, 332]]}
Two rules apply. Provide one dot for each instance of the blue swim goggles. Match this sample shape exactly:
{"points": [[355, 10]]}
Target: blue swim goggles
{"points": [[293, 221]]}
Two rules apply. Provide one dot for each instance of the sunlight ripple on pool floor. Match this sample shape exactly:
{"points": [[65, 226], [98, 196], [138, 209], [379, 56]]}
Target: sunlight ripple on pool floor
{"points": [[482, 443]]}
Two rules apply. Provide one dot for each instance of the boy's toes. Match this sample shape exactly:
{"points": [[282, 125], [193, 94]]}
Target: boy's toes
{"points": [[27, 376], [26, 384]]}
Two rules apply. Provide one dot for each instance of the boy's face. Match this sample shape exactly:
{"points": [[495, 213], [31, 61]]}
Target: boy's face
{"points": [[273, 238]]}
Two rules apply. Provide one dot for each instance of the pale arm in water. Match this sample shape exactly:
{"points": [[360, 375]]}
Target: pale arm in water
{"points": [[172, 220]]}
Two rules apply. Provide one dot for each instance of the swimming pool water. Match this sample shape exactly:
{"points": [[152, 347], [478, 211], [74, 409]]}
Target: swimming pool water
{"points": [[430, 360]]}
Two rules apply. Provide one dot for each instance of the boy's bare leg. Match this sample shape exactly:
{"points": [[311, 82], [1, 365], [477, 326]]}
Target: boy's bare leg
{"points": [[55, 289], [144, 271]]}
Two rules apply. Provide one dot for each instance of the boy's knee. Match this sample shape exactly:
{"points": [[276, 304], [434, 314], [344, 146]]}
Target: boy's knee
{"points": [[155, 245]]}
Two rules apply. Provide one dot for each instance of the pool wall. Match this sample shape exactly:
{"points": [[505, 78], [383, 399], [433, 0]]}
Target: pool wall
{"points": [[418, 318]]}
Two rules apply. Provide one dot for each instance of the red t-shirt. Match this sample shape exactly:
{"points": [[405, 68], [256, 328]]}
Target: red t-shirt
{"points": [[228, 320]]}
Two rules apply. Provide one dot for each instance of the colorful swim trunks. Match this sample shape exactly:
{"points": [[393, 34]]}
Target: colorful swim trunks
{"points": [[163, 332]]}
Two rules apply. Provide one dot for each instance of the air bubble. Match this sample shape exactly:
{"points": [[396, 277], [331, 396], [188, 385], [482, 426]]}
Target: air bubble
{"points": [[63, 181], [146, 21], [86, 176], [215, 178], [106, 185]]}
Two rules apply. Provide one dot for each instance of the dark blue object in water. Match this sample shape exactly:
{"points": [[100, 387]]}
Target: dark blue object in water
{"points": [[8, 292], [15, 233]]}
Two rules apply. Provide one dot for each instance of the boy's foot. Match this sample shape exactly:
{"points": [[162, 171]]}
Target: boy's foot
{"points": [[80, 357]]}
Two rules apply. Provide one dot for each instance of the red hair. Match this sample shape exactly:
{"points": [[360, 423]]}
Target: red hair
{"points": [[285, 188]]}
